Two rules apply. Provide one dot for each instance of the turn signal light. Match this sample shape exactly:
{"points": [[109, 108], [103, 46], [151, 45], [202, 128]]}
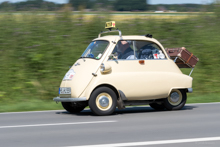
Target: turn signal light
{"points": [[141, 61]]}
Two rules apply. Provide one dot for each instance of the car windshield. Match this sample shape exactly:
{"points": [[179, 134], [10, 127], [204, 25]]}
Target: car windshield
{"points": [[95, 49]]}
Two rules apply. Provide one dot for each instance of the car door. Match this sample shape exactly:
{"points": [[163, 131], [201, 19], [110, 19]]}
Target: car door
{"points": [[81, 73]]}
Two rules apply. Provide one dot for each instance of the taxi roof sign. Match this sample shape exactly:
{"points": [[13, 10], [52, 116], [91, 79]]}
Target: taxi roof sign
{"points": [[110, 25]]}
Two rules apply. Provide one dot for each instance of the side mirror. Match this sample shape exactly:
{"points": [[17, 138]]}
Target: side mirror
{"points": [[105, 68]]}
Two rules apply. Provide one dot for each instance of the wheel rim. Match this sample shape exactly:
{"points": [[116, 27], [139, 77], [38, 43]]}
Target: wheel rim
{"points": [[104, 101], [175, 97]]}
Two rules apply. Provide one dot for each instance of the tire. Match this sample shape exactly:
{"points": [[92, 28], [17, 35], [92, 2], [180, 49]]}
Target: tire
{"points": [[157, 106], [103, 101], [176, 100], [74, 107]]}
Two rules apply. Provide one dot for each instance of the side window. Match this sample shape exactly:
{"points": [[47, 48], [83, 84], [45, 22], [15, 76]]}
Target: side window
{"points": [[124, 50], [149, 50]]}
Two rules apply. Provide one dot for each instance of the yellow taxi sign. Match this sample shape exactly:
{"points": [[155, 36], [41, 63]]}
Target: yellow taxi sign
{"points": [[110, 24]]}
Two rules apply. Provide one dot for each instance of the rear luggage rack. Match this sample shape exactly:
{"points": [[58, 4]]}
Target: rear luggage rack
{"points": [[182, 57]]}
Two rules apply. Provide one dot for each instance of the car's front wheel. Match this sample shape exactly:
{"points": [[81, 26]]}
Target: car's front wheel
{"points": [[103, 101], [74, 107], [176, 100]]}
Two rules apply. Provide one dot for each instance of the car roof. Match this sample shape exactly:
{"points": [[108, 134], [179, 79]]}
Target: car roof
{"points": [[127, 37]]}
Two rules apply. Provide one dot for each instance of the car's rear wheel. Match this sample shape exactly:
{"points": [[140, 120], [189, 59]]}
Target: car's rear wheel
{"points": [[74, 107], [103, 101], [176, 100], [157, 106]]}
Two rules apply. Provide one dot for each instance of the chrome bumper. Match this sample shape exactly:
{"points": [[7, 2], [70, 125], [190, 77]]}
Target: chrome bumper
{"points": [[58, 99], [190, 90]]}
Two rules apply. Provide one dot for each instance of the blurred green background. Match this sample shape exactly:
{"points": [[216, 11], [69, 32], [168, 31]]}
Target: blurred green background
{"points": [[36, 50]]}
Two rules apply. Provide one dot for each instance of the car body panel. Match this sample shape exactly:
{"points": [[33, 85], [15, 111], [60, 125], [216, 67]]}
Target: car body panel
{"points": [[143, 85], [85, 70]]}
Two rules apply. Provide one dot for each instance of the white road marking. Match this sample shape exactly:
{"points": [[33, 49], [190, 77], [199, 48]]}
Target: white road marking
{"points": [[161, 142], [57, 124]]}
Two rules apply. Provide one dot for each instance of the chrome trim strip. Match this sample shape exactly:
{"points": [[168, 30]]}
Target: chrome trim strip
{"points": [[190, 90], [58, 99]]}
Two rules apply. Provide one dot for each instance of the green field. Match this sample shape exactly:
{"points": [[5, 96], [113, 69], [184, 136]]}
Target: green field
{"points": [[114, 15], [37, 50]]}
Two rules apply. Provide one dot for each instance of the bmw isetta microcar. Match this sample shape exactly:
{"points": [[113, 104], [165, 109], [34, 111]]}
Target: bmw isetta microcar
{"points": [[118, 71]]}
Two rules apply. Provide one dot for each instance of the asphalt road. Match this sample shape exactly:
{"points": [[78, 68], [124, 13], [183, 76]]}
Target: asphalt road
{"points": [[196, 125]]}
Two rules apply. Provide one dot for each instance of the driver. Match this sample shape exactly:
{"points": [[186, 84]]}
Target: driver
{"points": [[124, 50]]}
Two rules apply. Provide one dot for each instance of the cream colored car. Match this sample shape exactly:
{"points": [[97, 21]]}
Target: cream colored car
{"points": [[118, 71]]}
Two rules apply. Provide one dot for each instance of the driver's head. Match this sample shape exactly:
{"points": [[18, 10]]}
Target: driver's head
{"points": [[122, 46]]}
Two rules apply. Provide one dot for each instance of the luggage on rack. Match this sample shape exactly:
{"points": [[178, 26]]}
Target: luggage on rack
{"points": [[182, 57]]}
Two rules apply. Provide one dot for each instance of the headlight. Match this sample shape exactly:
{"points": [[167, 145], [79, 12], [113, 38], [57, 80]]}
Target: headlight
{"points": [[69, 75]]}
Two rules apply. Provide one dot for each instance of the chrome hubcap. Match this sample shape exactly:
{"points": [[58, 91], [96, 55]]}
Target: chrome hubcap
{"points": [[103, 101], [174, 97]]}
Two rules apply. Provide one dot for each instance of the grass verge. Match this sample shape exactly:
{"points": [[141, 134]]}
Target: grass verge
{"points": [[208, 98], [32, 105]]}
